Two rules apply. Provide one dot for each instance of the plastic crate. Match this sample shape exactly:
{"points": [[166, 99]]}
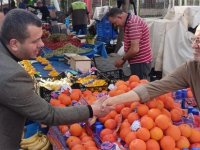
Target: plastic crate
{"points": [[112, 75]]}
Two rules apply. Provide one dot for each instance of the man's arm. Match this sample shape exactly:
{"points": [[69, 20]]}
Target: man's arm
{"points": [[133, 50]]}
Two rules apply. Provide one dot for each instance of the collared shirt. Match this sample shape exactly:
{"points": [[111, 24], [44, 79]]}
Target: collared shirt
{"points": [[136, 29]]}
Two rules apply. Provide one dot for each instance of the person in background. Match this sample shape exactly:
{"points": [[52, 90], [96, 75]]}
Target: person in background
{"points": [[12, 4], [22, 4], [20, 39], [42, 8], [187, 75], [80, 17], [136, 42]]}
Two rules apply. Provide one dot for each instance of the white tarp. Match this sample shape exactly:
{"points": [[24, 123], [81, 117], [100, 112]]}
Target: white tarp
{"points": [[100, 12], [171, 40]]}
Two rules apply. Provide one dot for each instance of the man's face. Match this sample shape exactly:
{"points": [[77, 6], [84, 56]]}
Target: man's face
{"points": [[196, 45], [31, 47], [117, 21]]}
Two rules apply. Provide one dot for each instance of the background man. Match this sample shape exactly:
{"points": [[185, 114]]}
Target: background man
{"points": [[80, 17], [136, 42], [187, 75]]}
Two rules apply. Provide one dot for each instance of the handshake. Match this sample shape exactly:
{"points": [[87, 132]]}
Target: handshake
{"points": [[105, 104], [102, 106]]}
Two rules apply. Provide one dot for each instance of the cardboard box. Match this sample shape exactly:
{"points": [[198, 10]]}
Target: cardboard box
{"points": [[80, 63]]}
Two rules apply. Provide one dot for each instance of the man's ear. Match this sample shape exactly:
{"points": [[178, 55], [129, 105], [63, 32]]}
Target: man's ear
{"points": [[14, 44]]}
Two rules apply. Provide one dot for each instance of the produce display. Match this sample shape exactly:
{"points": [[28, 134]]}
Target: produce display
{"points": [[91, 81], [69, 48], [28, 67], [56, 41], [157, 124]]}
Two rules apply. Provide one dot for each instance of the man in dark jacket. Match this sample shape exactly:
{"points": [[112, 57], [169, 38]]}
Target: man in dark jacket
{"points": [[20, 39]]}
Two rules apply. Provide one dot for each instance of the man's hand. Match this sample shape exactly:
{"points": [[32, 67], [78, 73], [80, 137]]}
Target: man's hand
{"points": [[119, 63], [99, 110]]}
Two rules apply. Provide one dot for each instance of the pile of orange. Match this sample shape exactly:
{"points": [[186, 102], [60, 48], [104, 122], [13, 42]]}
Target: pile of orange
{"points": [[156, 117], [79, 139]]}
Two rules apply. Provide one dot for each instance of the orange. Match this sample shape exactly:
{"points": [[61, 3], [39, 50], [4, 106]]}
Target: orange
{"points": [[64, 99], [118, 118], [132, 85], [112, 114], [147, 122], [134, 78], [143, 134], [125, 112], [152, 103], [167, 143], [162, 121], [174, 132], [137, 144], [89, 143], [105, 132], [159, 104], [78, 91], [112, 93], [92, 148], [54, 102], [142, 109], [109, 137], [119, 107], [103, 119], [87, 93], [86, 138], [154, 112], [124, 132], [110, 124], [176, 114], [125, 124], [166, 112], [185, 130], [119, 82], [75, 129], [134, 105], [183, 142], [152, 145], [75, 96], [189, 94], [122, 87], [132, 117], [73, 140], [130, 137], [195, 136], [78, 147], [63, 128], [169, 103], [156, 133]]}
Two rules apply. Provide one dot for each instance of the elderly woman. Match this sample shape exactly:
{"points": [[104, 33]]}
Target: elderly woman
{"points": [[187, 75]]}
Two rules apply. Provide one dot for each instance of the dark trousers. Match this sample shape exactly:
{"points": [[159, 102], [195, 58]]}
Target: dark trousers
{"points": [[142, 70], [80, 29]]}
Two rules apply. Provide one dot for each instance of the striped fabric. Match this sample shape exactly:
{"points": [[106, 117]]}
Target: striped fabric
{"points": [[134, 29]]}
